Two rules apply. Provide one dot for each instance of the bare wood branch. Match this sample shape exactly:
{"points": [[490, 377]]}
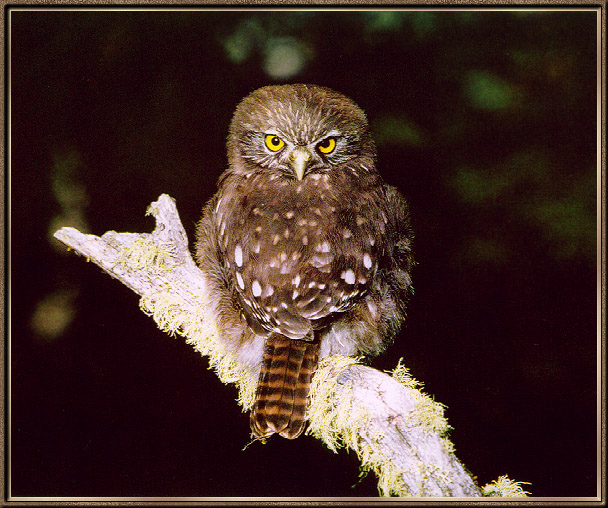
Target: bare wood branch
{"points": [[423, 465]]}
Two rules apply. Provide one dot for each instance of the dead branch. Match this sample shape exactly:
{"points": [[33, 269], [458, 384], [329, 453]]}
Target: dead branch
{"points": [[410, 456]]}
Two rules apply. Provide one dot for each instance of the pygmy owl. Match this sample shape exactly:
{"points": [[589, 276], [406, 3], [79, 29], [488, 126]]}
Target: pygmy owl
{"points": [[307, 252]]}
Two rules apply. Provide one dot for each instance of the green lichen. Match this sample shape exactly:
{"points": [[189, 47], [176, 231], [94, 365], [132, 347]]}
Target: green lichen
{"points": [[505, 487], [336, 420], [428, 413], [145, 254]]}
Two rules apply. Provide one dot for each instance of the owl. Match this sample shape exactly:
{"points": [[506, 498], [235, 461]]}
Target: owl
{"points": [[307, 252]]}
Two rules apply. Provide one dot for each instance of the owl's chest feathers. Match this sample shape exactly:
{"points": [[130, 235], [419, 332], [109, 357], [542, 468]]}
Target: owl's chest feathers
{"points": [[298, 252], [313, 221]]}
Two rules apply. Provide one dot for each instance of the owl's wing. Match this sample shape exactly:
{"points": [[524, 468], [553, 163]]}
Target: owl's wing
{"points": [[400, 254]]}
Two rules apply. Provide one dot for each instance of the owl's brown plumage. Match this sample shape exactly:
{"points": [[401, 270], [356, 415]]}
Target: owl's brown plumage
{"points": [[306, 250]]}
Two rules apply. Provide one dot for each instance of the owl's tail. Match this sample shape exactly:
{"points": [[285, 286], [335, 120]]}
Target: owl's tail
{"points": [[282, 393]]}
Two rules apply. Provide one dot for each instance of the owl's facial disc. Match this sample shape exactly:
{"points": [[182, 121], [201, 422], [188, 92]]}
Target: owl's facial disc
{"points": [[299, 160]]}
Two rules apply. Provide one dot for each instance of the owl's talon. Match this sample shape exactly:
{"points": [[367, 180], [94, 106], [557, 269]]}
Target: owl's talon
{"points": [[253, 440]]}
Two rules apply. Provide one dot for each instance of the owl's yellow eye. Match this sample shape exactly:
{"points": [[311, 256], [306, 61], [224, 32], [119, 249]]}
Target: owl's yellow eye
{"points": [[274, 142], [326, 146]]}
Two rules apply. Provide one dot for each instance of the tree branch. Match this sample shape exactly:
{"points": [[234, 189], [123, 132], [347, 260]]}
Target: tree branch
{"points": [[397, 431]]}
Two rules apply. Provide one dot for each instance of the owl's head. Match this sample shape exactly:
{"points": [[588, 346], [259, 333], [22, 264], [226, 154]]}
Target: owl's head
{"points": [[296, 130]]}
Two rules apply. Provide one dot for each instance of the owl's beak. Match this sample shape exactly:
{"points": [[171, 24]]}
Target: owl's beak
{"points": [[299, 161]]}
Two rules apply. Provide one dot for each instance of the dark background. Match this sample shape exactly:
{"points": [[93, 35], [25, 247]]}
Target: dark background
{"points": [[486, 121]]}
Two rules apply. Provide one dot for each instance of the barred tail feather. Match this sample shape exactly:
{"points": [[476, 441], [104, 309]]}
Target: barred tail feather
{"points": [[282, 393]]}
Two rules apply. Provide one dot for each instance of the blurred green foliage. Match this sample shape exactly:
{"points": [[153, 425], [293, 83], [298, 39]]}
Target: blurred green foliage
{"points": [[397, 130], [487, 91], [529, 194]]}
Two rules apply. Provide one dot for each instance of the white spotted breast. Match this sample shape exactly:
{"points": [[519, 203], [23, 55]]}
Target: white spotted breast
{"points": [[298, 255]]}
